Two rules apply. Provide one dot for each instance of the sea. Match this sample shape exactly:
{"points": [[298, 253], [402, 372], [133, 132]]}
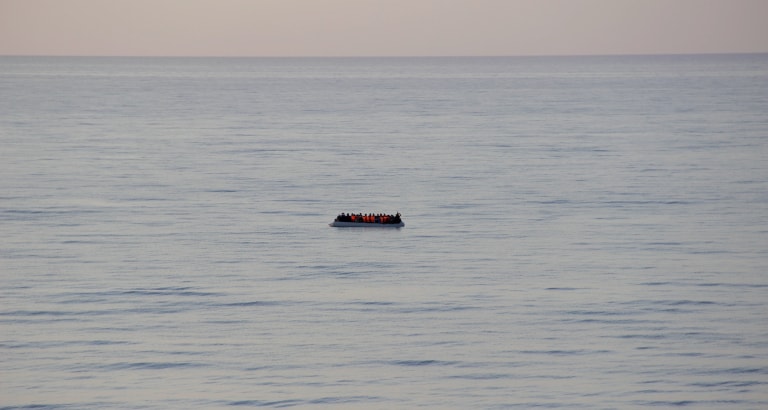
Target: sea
{"points": [[586, 232]]}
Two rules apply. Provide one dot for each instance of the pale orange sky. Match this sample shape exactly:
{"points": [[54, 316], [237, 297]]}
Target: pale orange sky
{"points": [[381, 27]]}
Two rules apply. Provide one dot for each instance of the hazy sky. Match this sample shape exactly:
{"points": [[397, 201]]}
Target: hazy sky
{"points": [[380, 27]]}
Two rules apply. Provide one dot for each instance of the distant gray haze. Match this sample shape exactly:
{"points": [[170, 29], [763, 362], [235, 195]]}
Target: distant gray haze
{"points": [[381, 27]]}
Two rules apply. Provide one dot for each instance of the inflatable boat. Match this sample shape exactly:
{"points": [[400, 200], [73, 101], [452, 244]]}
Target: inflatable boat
{"points": [[367, 221]]}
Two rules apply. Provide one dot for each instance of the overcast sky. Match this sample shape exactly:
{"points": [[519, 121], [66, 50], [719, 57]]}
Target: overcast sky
{"points": [[380, 27]]}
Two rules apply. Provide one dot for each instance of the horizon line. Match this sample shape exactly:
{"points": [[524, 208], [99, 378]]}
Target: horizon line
{"points": [[391, 56]]}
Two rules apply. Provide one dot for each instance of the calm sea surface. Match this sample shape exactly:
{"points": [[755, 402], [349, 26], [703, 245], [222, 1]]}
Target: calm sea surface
{"points": [[584, 232]]}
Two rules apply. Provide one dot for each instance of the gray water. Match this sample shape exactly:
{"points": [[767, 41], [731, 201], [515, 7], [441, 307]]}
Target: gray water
{"points": [[583, 232]]}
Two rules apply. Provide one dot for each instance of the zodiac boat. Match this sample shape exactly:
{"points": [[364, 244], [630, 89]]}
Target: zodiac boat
{"points": [[367, 221]]}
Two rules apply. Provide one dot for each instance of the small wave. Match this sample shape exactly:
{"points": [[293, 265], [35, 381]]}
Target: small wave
{"points": [[434, 309], [373, 303], [599, 312], [687, 302], [576, 352], [166, 291], [482, 376], [746, 370], [679, 403], [735, 285], [39, 316], [415, 363], [151, 365], [296, 402], [55, 344], [344, 399], [267, 403], [729, 383], [249, 304], [655, 336], [613, 321]]}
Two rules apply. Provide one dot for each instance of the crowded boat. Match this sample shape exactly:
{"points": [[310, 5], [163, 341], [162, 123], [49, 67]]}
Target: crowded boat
{"points": [[364, 220]]}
